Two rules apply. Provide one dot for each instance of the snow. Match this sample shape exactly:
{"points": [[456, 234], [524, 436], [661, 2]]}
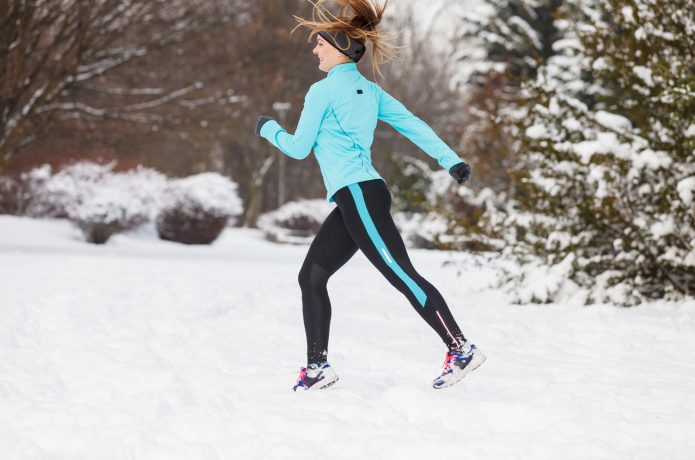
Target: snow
{"points": [[144, 349], [537, 131], [613, 121], [652, 159], [686, 190], [663, 227]]}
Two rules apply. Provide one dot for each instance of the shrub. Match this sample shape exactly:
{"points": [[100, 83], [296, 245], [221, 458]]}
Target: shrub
{"points": [[17, 196], [57, 195], [196, 209], [99, 201], [447, 215], [9, 196], [295, 222]]}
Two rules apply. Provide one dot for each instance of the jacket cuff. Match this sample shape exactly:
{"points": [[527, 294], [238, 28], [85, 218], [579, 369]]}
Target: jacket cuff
{"points": [[269, 129], [448, 162]]}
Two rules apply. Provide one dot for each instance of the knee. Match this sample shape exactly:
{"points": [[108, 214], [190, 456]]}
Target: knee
{"points": [[312, 276], [303, 277]]}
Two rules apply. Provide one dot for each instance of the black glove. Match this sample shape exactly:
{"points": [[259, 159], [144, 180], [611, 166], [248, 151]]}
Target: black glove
{"points": [[461, 172], [261, 121]]}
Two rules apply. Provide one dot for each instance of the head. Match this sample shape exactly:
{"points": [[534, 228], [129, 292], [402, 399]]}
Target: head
{"points": [[342, 37], [328, 55]]}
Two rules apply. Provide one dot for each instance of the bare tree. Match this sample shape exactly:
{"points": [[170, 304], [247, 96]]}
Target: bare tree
{"points": [[50, 49]]}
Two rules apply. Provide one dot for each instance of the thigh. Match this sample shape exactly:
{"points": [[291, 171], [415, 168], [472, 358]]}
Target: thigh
{"points": [[332, 246], [366, 212]]}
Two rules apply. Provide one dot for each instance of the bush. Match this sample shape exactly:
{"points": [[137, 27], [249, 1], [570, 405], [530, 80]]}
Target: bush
{"points": [[437, 213], [18, 195], [197, 208], [296, 222], [9, 196], [56, 195], [97, 200], [100, 202]]}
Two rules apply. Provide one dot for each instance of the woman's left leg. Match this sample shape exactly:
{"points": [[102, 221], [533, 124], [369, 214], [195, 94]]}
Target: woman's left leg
{"points": [[365, 207]]}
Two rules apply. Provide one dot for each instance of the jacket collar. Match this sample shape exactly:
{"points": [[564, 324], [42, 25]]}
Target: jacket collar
{"points": [[344, 67]]}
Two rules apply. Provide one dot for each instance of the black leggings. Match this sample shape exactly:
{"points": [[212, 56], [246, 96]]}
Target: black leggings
{"points": [[362, 220]]}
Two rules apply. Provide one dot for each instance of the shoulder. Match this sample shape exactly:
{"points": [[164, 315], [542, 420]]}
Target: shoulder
{"points": [[319, 89], [376, 89]]}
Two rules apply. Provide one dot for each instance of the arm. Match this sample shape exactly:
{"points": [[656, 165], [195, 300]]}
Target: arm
{"points": [[299, 145], [395, 114]]}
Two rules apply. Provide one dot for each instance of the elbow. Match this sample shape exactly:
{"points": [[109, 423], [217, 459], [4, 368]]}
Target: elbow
{"points": [[299, 153]]}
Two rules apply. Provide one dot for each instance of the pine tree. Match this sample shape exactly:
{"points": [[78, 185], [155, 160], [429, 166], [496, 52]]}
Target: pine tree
{"points": [[516, 37], [608, 145], [503, 43]]}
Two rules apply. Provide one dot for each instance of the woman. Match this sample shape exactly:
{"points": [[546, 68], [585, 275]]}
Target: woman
{"points": [[338, 120]]}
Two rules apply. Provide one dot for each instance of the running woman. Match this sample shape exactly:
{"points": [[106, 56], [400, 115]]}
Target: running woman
{"points": [[338, 121]]}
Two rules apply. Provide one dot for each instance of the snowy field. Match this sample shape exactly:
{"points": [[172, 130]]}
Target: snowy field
{"points": [[143, 349]]}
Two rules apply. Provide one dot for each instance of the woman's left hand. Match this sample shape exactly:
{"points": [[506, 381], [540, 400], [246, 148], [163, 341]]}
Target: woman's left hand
{"points": [[461, 172]]}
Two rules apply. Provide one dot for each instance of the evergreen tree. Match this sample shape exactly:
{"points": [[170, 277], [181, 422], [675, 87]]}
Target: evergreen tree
{"points": [[608, 145], [503, 43], [516, 37]]}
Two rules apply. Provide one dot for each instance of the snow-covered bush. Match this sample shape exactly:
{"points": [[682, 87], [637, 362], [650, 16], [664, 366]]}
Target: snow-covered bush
{"points": [[18, 196], [608, 153], [10, 196], [59, 194], [99, 201], [424, 230], [117, 202], [196, 209], [295, 222], [438, 213]]}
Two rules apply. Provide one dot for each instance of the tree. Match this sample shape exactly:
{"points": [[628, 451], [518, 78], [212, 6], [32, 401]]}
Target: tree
{"points": [[50, 50], [608, 149], [512, 37], [502, 45]]}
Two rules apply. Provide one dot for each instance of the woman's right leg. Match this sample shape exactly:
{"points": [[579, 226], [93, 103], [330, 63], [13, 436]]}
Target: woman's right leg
{"points": [[331, 248]]}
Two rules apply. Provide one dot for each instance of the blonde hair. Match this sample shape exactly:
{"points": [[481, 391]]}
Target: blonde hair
{"points": [[361, 26]]}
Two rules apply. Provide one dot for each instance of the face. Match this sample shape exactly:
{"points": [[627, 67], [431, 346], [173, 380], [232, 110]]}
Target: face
{"points": [[328, 55]]}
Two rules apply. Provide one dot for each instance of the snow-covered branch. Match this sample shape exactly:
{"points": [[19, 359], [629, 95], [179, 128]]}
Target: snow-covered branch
{"points": [[53, 47]]}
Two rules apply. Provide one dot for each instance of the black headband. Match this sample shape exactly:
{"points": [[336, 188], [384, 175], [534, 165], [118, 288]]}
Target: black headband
{"points": [[354, 49]]}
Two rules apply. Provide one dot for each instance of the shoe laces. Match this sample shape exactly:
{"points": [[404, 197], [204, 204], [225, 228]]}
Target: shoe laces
{"points": [[450, 356], [302, 376]]}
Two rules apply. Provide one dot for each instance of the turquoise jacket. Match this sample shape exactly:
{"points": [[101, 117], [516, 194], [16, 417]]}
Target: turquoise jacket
{"points": [[338, 120]]}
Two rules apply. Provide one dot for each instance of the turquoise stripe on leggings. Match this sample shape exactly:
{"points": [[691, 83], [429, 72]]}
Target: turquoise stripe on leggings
{"points": [[381, 246]]}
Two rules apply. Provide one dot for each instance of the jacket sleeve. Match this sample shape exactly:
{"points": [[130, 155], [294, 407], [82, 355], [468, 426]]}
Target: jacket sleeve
{"points": [[395, 114], [299, 144]]}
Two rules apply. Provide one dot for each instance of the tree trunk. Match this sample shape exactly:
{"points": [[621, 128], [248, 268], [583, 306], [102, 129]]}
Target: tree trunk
{"points": [[256, 191]]}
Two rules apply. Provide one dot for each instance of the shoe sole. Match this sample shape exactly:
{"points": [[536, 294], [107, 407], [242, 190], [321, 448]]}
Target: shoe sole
{"points": [[478, 359]]}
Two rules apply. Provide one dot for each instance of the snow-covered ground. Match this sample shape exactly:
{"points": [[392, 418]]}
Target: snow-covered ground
{"points": [[143, 349]]}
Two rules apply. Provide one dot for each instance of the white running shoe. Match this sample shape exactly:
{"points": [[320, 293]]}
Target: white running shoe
{"points": [[315, 378], [458, 364]]}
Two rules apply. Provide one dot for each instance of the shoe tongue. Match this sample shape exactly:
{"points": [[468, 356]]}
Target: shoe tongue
{"points": [[465, 348]]}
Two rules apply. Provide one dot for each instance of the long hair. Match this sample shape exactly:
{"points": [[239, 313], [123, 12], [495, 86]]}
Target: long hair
{"points": [[360, 25]]}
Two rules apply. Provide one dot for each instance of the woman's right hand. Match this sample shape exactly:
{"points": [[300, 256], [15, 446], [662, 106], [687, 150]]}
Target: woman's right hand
{"points": [[263, 119]]}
